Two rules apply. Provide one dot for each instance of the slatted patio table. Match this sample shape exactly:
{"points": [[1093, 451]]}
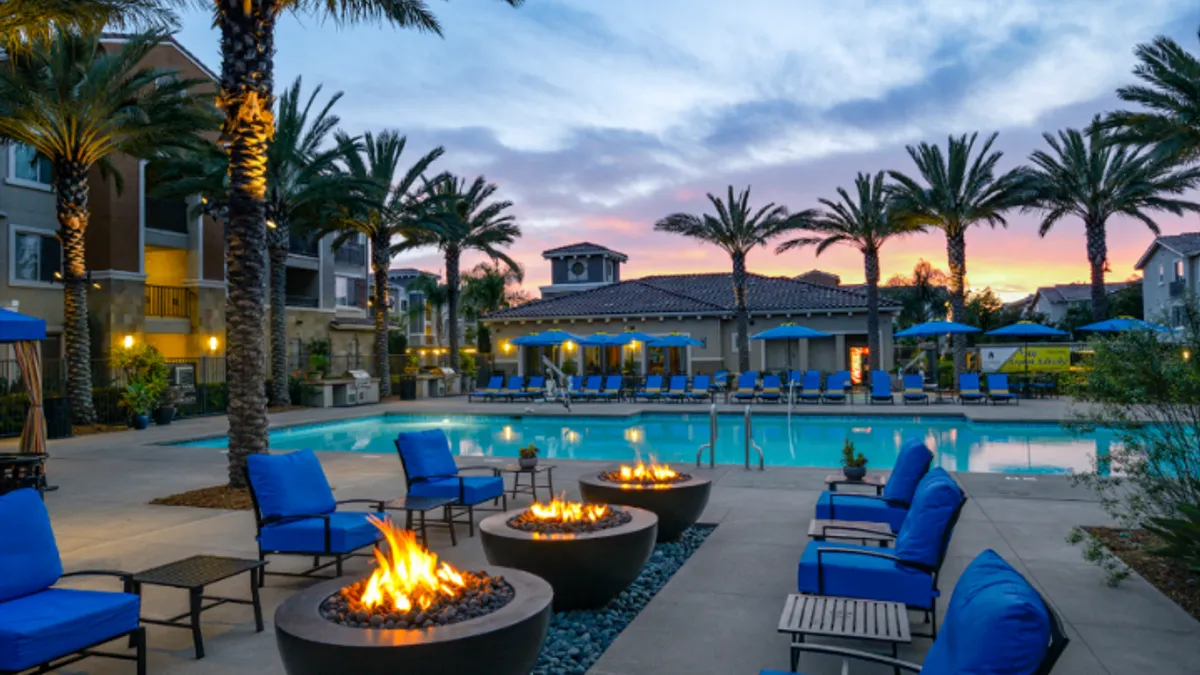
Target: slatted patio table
{"points": [[847, 618]]}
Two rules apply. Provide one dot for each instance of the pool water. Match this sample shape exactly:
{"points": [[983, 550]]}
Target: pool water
{"points": [[959, 444]]}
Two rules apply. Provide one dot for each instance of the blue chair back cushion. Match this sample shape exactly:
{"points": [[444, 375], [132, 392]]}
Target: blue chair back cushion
{"points": [[613, 383], [290, 485], [836, 383], [881, 384], [426, 453], [37, 628], [515, 383], [772, 382], [996, 624], [678, 383], [812, 381], [969, 382], [29, 559], [654, 383], [926, 530], [593, 383], [495, 381], [911, 466], [348, 531], [700, 384]]}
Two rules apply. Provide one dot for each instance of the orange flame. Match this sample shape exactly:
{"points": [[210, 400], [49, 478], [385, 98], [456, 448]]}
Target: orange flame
{"points": [[407, 575], [561, 511], [647, 473]]}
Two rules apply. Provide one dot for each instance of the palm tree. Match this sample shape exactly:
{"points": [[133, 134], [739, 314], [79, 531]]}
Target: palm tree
{"points": [[486, 290], [201, 172], [247, 93], [736, 229], [959, 192], [79, 105], [1170, 98], [461, 219], [24, 21], [1086, 175], [861, 222], [392, 205]]}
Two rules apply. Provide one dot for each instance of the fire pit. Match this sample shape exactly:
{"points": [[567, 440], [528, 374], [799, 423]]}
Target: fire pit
{"points": [[415, 615], [676, 498], [587, 552]]}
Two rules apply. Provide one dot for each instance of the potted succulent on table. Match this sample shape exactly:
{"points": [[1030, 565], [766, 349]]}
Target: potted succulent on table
{"points": [[854, 465], [528, 456]]}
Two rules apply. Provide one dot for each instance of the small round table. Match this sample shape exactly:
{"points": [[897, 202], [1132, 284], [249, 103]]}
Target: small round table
{"points": [[517, 471]]}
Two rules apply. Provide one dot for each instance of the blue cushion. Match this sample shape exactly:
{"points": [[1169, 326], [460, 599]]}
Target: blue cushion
{"points": [[996, 624], [476, 489], [863, 576], [58, 621], [426, 453], [911, 465], [925, 533], [29, 559], [348, 530], [846, 506], [290, 485]]}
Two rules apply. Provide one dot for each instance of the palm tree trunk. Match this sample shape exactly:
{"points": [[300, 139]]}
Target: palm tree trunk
{"points": [[277, 247], [379, 265], [741, 310], [874, 344], [71, 187], [1097, 250], [247, 49], [956, 254], [453, 256]]}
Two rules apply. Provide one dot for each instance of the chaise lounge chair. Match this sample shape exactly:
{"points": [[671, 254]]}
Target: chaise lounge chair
{"points": [[770, 389], [575, 386], [914, 390], [46, 628], [998, 390], [612, 388], [811, 391], [430, 471], [720, 381], [968, 389], [747, 386], [835, 387], [514, 387], [912, 466], [591, 388], [652, 389], [677, 390], [495, 383], [533, 389], [881, 387], [699, 390]]}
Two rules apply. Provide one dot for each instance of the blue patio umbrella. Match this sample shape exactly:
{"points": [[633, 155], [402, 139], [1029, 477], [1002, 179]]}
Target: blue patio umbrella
{"points": [[675, 340], [1122, 324], [789, 332], [15, 327], [1027, 330], [551, 338], [604, 340], [631, 335], [932, 328]]}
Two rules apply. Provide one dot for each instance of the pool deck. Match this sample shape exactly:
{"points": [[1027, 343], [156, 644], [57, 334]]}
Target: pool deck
{"points": [[717, 615]]}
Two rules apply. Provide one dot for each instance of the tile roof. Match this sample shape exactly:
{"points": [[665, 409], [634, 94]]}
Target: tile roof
{"points": [[1060, 293], [691, 294], [583, 248], [1185, 243]]}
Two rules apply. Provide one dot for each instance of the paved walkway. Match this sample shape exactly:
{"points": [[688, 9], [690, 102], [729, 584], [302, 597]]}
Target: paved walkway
{"points": [[717, 615]]}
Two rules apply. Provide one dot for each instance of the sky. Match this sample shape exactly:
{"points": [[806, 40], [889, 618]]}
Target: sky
{"points": [[598, 117]]}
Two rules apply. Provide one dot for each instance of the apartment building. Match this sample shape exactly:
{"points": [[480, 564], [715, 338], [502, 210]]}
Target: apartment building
{"points": [[1170, 270]]}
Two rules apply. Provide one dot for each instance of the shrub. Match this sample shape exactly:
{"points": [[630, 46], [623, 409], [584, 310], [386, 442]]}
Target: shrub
{"points": [[1181, 536], [570, 367]]}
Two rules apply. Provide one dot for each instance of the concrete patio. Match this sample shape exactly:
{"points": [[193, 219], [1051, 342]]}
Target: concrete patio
{"points": [[717, 615]]}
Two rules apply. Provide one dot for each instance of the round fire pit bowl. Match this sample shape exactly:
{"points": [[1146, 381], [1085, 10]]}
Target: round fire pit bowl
{"points": [[678, 505], [586, 569], [504, 642]]}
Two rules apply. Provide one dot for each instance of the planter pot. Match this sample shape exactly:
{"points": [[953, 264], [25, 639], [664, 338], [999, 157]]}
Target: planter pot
{"points": [[163, 416], [854, 472], [141, 422], [527, 462]]}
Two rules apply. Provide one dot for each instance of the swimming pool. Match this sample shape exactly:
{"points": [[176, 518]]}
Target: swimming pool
{"points": [[959, 444]]}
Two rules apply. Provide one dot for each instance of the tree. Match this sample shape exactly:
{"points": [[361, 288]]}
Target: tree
{"points": [[392, 205], [247, 94], [1087, 175], [487, 289], [461, 218], [959, 192], [1128, 300], [984, 309], [864, 223], [78, 106], [24, 22], [922, 297], [202, 171], [737, 229]]}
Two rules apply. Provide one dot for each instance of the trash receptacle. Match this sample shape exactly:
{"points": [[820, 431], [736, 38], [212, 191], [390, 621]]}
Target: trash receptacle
{"points": [[408, 388]]}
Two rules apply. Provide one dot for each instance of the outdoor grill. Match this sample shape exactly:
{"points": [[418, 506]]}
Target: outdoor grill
{"points": [[362, 382]]}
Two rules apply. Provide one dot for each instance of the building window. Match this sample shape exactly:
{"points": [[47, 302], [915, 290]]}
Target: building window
{"points": [[1178, 270], [416, 324], [608, 270], [36, 256], [30, 166], [1161, 273]]}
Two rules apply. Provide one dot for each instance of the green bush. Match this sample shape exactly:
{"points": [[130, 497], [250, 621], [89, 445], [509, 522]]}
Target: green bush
{"points": [[1181, 536], [570, 367], [945, 374]]}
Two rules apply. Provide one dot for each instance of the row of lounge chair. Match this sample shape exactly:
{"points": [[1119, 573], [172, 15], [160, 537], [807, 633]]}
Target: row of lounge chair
{"points": [[968, 389], [806, 387]]}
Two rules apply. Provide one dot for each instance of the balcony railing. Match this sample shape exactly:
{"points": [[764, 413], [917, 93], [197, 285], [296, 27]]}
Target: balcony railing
{"points": [[1176, 288], [302, 301], [167, 214], [351, 254], [170, 302], [300, 245]]}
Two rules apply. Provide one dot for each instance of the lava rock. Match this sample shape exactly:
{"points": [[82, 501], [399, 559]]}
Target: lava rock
{"points": [[482, 596]]}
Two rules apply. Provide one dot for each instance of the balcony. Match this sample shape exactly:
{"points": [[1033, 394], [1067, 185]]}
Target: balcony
{"points": [[301, 245], [1177, 288], [302, 301], [169, 215], [168, 302], [351, 254]]}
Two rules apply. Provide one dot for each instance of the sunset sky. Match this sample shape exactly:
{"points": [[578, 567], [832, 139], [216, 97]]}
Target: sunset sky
{"points": [[596, 117]]}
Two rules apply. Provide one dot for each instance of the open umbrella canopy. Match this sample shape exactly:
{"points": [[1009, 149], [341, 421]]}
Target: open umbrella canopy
{"points": [[931, 328], [675, 340], [1123, 324], [1027, 329], [789, 331], [604, 340], [16, 327], [548, 339], [639, 336]]}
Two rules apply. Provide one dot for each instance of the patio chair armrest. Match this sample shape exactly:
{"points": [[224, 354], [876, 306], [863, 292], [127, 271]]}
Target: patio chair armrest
{"points": [[377, 503], [833, 497], [857, 655], [875, 534], [125, 577], [480, 467], [870, 554]]}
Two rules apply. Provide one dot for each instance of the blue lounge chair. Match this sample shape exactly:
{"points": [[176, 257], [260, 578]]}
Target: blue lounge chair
{"points": [[811, 391], [998, 389], [835, 387], [44, 627], [652, 389], [914, 390], [968, 389], [720, 381], [495, 383], [747, 386], [575, 386], [430, 471], [912, 466], [514, 386], [612, 388], [907, 573], [881, 387], [699, 390], [677, 390], [794, 377], [295, 513], [996, 623], [591, 388], [533, 389], [771, 389]]}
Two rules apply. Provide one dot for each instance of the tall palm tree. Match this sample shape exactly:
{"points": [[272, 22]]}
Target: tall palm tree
{"points": [[392, 204], [79, 105], [201, 172], [24, 21], [736, 229], [1170, 100], [486, 289], [959, 192], [247, 93], [863, 222], [1086, 175], [463, 218]]}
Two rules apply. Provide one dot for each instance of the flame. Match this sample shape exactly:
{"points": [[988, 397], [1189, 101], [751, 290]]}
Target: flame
{"points": [[407, 575], [561, 511], [647, 473]]}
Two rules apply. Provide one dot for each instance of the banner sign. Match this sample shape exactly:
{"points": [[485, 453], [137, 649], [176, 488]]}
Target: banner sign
{"points": [[1040, 359]]}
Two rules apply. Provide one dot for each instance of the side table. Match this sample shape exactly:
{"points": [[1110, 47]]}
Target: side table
{"points": [[829, 616], [517, 471], [821, 530], [423, 505], [872, 480]]}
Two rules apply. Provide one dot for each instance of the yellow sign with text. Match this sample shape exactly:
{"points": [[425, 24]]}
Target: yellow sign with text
{"points": [[1034, 359]]}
